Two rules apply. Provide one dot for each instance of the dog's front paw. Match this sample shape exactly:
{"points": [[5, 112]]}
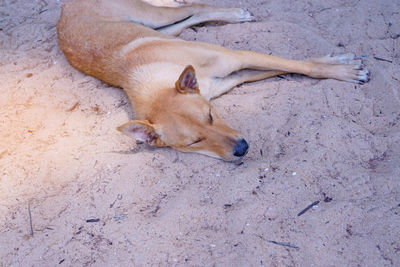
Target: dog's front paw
{"points": [[346, 67]]}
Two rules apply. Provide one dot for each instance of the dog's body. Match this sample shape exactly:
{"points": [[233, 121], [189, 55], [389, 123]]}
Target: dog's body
{"points": [[130, 44]]}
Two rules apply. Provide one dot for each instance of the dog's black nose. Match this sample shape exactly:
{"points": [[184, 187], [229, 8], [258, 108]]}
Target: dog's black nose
{"points": [[241, 148]]}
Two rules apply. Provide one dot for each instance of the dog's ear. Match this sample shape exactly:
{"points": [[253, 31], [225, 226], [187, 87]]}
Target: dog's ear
{"points": [[142, 131], [187, 82]]}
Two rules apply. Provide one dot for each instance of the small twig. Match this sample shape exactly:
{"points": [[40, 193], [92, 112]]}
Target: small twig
{"points": [[237, 165], [30, 218], [119, 197], [92, 220], [278, 243], [308, 207], [155, 210], [282, 244], [73, 107], [382, 59]]}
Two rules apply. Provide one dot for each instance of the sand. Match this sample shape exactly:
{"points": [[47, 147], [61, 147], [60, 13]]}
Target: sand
{"points": [[95, 198]]}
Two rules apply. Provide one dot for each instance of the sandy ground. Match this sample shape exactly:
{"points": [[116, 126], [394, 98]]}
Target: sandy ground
{"points": [[95, 198]]}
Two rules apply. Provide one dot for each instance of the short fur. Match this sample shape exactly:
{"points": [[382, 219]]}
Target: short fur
{"points": [[131, 44]]}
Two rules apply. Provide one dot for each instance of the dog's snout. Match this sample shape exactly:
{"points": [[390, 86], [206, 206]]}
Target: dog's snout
{"points": [[241, 148]]}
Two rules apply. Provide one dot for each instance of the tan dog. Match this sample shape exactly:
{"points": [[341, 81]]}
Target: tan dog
{"points": [[130, 44]]}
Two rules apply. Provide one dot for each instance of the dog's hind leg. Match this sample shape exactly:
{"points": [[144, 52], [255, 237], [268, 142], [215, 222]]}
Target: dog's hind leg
{"points": [[167, 3], [173, 20], [229, 15]]}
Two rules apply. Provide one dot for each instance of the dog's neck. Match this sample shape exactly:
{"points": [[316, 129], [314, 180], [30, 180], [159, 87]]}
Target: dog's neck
{"points": [[148, 82], [144, 102]]}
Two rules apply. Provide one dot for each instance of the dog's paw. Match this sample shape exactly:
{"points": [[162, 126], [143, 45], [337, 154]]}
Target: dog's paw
{"points": [[246, 15], [363, 76], [359, 72], [354, 73], [242, 15], [347, 67]]}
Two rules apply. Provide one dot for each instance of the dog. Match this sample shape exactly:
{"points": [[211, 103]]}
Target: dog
{"points": [[132, 44]]}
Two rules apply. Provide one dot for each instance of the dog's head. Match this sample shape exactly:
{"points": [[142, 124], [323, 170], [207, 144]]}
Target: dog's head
{"points": [[183, 119]]}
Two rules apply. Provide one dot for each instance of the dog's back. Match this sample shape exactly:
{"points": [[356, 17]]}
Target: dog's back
{"points": [[93, 43]]}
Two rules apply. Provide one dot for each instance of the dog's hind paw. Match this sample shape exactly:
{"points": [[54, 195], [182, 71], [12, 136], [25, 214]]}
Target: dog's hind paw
{"points": [[246, 15], [241, 15]]}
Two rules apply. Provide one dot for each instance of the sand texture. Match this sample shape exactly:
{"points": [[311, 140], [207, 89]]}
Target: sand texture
{"points": [[95, 198]]}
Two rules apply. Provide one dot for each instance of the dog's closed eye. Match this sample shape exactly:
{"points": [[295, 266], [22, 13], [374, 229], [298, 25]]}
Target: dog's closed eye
{"points": [[196, 141]]}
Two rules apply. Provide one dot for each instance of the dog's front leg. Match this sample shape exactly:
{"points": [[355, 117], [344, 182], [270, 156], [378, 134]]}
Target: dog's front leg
{"points": [[221, 85], [343, 67], [236, 67]]}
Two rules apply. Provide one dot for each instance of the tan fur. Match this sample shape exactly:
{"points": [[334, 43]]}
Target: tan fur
{"points": [[131, 44]]}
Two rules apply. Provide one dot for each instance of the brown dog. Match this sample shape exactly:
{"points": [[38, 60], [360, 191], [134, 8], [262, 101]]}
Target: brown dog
{"points": [[130, 44]]}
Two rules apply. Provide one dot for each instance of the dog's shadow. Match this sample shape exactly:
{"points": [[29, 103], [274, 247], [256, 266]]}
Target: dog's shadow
{"points": [[140, 147]]}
